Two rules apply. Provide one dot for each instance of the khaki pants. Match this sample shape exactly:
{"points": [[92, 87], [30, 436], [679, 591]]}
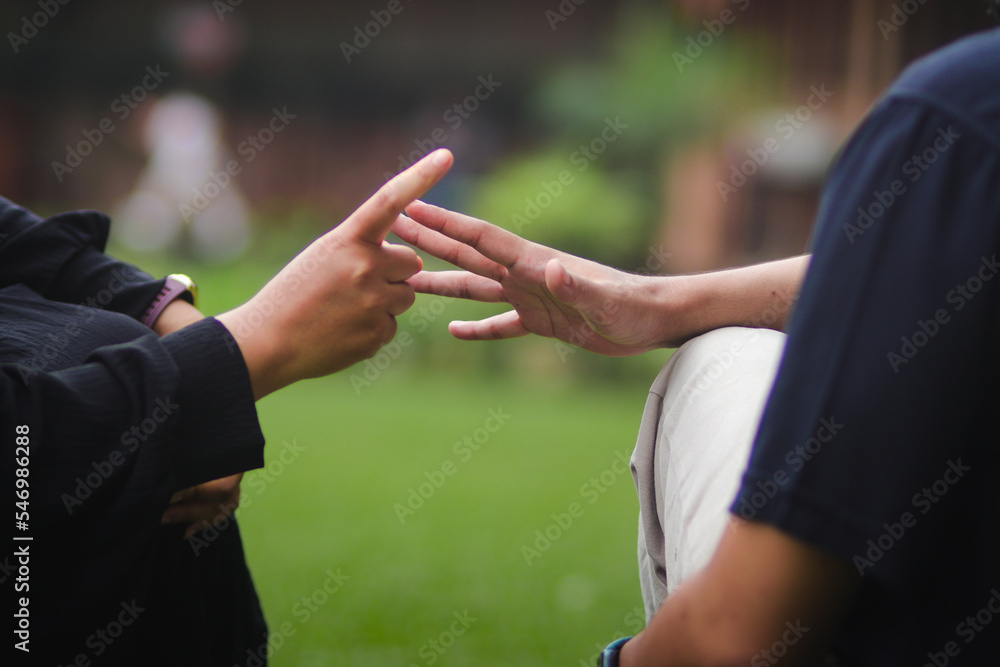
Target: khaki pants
{"points": [[694, 442]]}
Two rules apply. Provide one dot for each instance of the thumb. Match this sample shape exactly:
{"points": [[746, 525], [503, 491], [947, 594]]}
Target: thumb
{"points": [[572, 290], [584, 295]]}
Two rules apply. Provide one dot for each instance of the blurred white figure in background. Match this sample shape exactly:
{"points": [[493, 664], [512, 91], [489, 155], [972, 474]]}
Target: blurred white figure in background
{"points": [[184, 198]]}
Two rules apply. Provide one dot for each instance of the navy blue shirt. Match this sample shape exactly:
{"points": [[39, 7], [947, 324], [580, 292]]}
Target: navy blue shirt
{"points": [[118, 419], [881, 439]]}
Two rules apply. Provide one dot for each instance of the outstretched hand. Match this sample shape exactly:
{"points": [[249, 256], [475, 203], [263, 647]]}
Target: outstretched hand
{"points": [[553, 293]]}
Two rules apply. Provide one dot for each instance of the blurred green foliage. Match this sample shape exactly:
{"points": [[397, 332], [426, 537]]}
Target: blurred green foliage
{"points": [[610, 208], [639, 78], [594, 213]]}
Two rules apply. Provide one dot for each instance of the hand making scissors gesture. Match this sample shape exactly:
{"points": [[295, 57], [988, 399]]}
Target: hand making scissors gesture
{"points": [[553, 293], [579, 301]]}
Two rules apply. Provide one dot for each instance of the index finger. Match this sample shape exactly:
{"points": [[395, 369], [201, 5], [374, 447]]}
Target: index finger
{"points": [[373, 219], [493, 242]]}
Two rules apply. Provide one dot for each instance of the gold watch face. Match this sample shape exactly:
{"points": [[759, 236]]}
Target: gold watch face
{"points": [[189, 284]]}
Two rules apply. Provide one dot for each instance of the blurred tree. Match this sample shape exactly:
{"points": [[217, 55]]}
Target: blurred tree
{"points": [[559, 198], [657, 85]]}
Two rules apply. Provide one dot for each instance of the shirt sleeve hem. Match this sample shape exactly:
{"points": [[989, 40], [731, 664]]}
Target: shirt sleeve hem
{"points": [[218, 433]]}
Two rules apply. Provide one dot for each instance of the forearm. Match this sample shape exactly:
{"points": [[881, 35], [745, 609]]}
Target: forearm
{"points": [[761, 296], [687, 631], [762, 589]]}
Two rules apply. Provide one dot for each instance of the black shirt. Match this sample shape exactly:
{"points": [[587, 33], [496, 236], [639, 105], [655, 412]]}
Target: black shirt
{"points": [[119, 419], [880, 441]]}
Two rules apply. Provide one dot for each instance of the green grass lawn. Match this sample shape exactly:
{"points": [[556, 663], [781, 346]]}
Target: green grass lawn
{"points": [[330, 507]]}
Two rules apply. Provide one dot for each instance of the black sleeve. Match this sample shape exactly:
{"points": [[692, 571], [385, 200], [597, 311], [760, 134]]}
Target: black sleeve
{"points": [[115, 437], [62, 258], [109, 441]]}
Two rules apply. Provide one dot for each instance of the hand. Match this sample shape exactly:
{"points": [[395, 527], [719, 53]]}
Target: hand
{"points": [[204, 505], [553, 293], [336, 302]]}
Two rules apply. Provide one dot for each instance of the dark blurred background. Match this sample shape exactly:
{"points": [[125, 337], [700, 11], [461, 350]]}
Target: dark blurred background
{"points": [[688, 123]]}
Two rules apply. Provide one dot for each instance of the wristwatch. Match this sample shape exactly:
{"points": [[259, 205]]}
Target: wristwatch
{"points": [[176, 286], [609, 657]]}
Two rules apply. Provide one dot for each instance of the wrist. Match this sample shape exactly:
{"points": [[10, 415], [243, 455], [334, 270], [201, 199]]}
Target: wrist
{"points": [[681, 308], [613, 654], [259, 340], [175, 286], [175, 316], [626, 657]]}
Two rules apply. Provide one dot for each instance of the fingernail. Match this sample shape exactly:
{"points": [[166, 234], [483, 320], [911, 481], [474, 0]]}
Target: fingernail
{"points": [[440, 157]]}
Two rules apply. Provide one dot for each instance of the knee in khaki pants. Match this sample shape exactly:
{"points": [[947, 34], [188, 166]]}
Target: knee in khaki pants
{"points": [[694, 441]]}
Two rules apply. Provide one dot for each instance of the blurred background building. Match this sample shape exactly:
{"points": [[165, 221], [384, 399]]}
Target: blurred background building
{"points": [[515, 88]]}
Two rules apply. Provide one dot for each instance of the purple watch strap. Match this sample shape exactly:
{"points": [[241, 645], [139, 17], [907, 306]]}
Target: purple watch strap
{"points": [[172, 289]]}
